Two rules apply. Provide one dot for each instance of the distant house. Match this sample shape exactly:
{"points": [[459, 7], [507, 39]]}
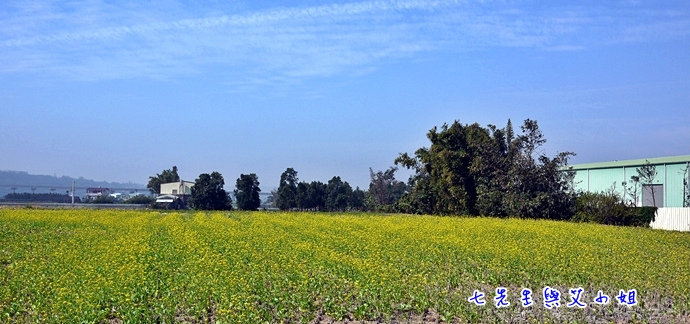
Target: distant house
{"points": [[175, 194], [177, 188], [92, 193], [667, 190]]}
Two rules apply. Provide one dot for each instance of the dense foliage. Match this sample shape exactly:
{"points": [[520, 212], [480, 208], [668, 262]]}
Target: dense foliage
{"points": [[79, 266], [336, 195], [311, 196], [472, 170], [140, 199], [42, 197], [247, 192], [166, 176], [287, 190], [208, 193], [608, 208], [385, 190]]}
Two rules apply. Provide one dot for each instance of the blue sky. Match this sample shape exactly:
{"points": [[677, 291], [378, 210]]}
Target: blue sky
{"points": [[119, 91]]}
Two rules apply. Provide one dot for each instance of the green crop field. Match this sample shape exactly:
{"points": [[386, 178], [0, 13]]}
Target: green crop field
{"points": [[70, 266]]}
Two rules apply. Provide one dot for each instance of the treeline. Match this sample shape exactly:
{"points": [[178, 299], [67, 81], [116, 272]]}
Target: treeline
{"points": [[466, 170], [491, 171], [40, 197], [208, 193], [336, 195]]}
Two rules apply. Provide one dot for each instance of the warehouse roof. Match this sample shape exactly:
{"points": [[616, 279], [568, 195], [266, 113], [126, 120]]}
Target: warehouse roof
{"points": [[632, 163]]}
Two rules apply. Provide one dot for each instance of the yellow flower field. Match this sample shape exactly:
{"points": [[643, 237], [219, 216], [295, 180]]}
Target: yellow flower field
{"points": [[69, 266]]}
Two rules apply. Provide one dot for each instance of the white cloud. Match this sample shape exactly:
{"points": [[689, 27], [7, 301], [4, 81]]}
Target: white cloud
{"points": [[93, 41]]}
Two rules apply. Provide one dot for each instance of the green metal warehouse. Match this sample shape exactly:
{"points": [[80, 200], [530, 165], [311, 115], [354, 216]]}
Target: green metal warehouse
{"points": [[668, 188]]}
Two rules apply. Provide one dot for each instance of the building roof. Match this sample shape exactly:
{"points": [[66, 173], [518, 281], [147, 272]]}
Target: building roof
{"points": [[165, 198], [633, 163], [178, 182]]}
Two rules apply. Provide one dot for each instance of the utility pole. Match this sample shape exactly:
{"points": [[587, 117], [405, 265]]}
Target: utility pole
{"points": [[73, 193]]}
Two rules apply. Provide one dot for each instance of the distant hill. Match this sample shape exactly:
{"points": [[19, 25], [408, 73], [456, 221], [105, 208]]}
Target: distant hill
{"points": [[23, 181]]}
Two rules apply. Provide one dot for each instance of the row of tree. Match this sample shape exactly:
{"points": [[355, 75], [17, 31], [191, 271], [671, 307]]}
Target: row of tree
{"points": [[336, 195], [42, 197], [467, 170], [474, 170], [208, 192]]}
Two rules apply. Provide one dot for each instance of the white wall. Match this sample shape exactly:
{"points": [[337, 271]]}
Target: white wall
{"points": [[672, 218], [167, 188]]}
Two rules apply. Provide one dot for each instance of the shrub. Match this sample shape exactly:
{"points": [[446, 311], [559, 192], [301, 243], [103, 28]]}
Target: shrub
{"points": [[103, 200], [643, 216], [607, 208], [140, 200], [602, 208]]}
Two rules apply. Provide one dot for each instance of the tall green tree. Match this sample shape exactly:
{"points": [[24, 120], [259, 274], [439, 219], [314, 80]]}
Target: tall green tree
{"points": [[385, 189], [166, 176], [357, 200], [421, 199], [339, 195], [287, 190], [537, 186], [311, 196], [302, 199], [447, 169], [247, 192], [317, 193], [208, 193], [473, 170]]}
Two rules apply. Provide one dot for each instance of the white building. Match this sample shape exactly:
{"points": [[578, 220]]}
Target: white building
{"points": [[177, 188], [92, 193], [175, 194]]}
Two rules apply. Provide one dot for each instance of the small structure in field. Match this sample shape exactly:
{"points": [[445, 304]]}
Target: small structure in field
{"points": [[93, 193], [175, 195]]}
